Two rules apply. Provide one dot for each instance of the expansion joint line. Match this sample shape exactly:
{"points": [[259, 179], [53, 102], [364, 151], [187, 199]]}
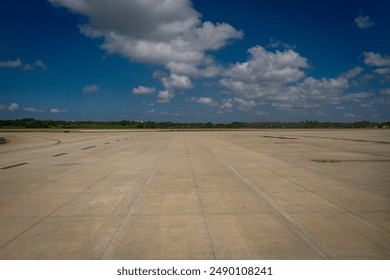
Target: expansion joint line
{"points": [[294, 224], [200, 202], [340, 208], [139, 197]]}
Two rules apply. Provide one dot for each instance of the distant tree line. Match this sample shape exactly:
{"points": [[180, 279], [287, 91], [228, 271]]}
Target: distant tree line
{"points": [[124, 124]]}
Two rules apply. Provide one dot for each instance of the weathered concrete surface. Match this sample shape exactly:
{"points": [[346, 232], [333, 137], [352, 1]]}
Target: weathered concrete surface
{"points": [[263, 194]]}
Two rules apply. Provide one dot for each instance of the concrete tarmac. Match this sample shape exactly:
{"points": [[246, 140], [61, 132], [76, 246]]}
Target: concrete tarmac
{"points": [[259, 194]]}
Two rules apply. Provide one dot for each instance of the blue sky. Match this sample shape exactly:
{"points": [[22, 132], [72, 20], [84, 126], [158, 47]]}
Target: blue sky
{"points": [[195, 61]]}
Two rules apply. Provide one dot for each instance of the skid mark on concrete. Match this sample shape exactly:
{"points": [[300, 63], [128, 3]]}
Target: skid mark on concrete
{"points": [[14, 165]]}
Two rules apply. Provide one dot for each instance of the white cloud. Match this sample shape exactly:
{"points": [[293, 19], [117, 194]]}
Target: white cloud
{"points": [[385, 91], [383, 71], [363, 22], [382, 100], [264, 72], [321, 89], [352, 115], [376, 59], [277, 78], [311, 93], [277, 44], [39, 63], [208, 101], [18, 63], [176, 82], [33, 110], [28, 67], [356, 97], [244, 105], [56, 111], [165, 96], [13, 107], [90, 88], [11, 63], [354, 72], [260, 113], [171, 83], [227, 105], [169, 33], [143, 90]]}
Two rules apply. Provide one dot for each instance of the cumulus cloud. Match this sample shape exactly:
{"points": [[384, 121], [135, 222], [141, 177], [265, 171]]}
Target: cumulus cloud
{"points": [[176, 82], [244, 105], [165, 96], [13, 106], [172, 34], [11, 63], [356, 97], [354, 72], [39, 63], [385, 91], [278, 79], [18, 63], [56, 111], [33, 110], [208, 69], [264, 72], [143, 90], [171, 83], [168, 33], [90, 88], [275, 44], [208, 101], [363, 22], [311, 93], [28, 67], [376, 59], [382, 71], [321, 89], [352, 115], [227, 105]]}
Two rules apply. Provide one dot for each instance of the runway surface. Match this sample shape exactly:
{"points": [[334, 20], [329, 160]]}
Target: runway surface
{"points": [[261, 194]]}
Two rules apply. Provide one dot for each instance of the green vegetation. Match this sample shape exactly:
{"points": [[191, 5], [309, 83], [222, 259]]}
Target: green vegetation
{"points": [[49, 124]]}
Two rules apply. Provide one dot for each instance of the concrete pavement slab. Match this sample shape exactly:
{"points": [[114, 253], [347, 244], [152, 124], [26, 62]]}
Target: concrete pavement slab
{"points": [[98, 204], [342, 241], [233, 203], [182, 203], [161, 237], [257, 237], [34, 205], [256, 194], [10, 228], [63, 238]]}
